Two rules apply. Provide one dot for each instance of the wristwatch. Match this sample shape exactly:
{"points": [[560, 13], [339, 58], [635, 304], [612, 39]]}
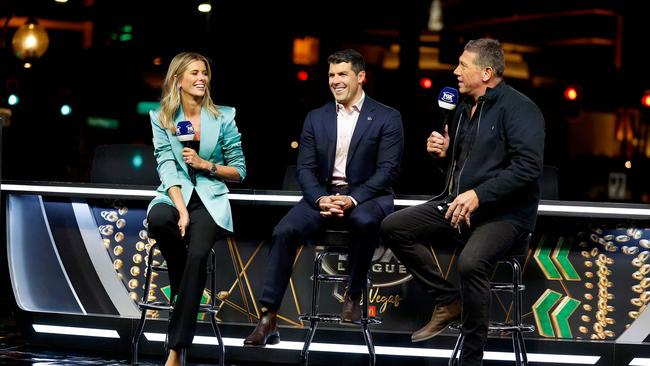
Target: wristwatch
{"points": [[213, 170]]}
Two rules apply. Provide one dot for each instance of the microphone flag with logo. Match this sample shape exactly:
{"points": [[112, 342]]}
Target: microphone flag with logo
{"points": [[185, 134], [447, 101]]}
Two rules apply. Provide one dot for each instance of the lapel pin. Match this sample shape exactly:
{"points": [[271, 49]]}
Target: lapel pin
{"points": [[369, 118]]}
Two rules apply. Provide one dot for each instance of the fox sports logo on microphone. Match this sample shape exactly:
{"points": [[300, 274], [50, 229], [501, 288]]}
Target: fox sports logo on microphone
{"points": [[184, 129], [447, 97]]}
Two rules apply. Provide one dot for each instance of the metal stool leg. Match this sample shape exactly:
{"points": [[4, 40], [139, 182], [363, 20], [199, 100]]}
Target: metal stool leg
{"points": [[371, 348], [515, 348], [304, 354], [516, 309], [213, 311], [217, 333], [522, 348], [145, 299], [313, 323], [136, 338], [364, 325], [453, 360]]}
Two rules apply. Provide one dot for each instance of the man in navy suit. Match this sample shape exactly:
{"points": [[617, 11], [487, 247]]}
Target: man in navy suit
{"points": [[349, 157]]}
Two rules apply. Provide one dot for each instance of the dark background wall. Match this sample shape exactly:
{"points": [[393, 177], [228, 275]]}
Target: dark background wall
{"points": [[250, 45]]}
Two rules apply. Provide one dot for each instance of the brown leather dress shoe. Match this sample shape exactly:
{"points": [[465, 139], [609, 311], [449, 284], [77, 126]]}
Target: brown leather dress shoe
{"points": [[266, 331], [442, 316], [351, 311]]}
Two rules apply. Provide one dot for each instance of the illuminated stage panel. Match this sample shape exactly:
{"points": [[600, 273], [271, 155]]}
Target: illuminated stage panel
{"points": [[592, 257], [39, 279]]}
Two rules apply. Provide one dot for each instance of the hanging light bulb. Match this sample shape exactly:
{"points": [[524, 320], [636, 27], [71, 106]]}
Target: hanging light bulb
{"points": [[205, 6], [30, 41]]}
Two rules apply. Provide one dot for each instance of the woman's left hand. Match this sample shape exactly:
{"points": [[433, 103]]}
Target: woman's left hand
{"points": [[191, 158]]}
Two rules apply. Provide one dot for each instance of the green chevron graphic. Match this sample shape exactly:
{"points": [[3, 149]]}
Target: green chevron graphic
{"points": [[541, 308], [205, 299], [544, 261], [560, 316], [561, 259]]}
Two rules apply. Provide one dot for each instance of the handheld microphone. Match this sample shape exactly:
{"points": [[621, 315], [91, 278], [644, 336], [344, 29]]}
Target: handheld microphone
{"points": [[447, 101], [185, 134]]}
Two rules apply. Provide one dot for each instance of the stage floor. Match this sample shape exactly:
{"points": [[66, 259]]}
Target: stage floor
{"points": [[13, 351], [16, 350]]}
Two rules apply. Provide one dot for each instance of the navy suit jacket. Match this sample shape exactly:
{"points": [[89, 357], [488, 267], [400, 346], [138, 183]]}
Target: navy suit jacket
{"points": [[373, 158]]}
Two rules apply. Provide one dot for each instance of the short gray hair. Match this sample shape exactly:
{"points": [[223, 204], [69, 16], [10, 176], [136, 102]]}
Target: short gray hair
{"points": [[489, 54]]}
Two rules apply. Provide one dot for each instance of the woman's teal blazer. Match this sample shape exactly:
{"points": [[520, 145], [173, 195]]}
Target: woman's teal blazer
{"points": [[220, 143]]}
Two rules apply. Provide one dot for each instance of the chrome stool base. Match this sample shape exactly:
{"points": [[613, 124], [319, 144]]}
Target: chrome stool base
{"points": [[314, 317], [212, 309], [515, 327]]}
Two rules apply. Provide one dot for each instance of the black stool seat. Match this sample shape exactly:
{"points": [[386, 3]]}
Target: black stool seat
{"points": [[331, 243], [515, 326], [212, 308]]}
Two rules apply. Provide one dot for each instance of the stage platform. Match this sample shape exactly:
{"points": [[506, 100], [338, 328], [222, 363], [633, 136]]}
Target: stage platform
{"points": [[73, 273]]}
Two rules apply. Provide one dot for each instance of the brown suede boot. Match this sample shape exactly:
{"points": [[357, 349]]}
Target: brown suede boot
{"points": [[442, 316]]}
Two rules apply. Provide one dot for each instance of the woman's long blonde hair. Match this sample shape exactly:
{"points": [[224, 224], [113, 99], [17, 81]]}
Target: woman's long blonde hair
{"points": [[171, 96]]}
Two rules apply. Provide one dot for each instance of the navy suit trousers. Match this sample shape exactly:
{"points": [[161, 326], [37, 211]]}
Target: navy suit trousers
{"points": [[301, 224]]}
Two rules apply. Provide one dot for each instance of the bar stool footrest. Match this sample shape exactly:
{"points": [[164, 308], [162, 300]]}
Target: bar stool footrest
{"points": [[372, 320], [500, 327], [333, 278], [164, 305], [208, 308], [505, 286], [336, 318], [328, 318], [507, 327], [156, 305]]}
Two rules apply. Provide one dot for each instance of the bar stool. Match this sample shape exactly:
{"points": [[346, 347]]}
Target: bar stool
{"points": [[333, 243], [211, 308], [515, 326]]}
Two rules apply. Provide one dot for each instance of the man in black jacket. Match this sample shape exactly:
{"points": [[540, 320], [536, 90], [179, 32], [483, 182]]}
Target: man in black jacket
{"points": [[494, 149]]}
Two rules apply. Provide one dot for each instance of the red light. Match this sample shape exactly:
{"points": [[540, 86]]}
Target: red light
{"points": [[426, 83], [646, 99], [570, 93], [303, 75], [372, 311]]}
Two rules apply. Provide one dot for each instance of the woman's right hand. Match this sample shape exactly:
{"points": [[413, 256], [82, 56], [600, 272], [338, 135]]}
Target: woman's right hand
{"points": [[183, 222]]}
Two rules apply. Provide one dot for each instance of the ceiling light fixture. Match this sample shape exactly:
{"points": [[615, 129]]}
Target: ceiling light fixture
{"points": [[205, 7], [30, 41]]}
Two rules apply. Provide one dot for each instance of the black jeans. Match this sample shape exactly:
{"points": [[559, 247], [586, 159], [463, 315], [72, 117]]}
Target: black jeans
{"points": [[408, 232], [186, 262]]}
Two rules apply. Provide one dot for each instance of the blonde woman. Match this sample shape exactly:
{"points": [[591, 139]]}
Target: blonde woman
{"points": [[186, 218]]}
